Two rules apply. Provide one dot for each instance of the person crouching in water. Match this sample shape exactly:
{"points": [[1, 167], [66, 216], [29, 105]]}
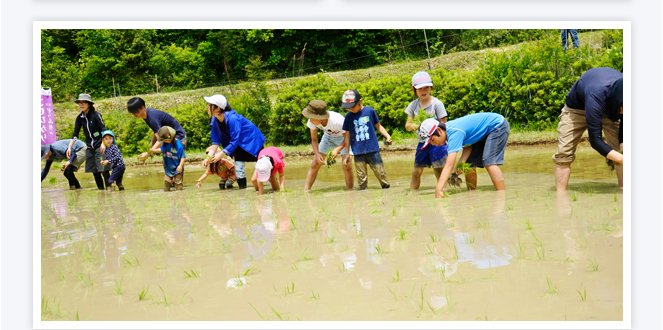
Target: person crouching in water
{"points": [[223, 168], [270, 161], [173, 158], [113, 156]]}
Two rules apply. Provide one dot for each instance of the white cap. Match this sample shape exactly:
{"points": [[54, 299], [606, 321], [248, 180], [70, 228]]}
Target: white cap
{"points": [[421, 79], [218, 100], [426, 129], [264, 169]]}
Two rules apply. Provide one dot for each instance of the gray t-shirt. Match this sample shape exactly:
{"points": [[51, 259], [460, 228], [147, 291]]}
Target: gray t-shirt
{"points": [[434, 110]]}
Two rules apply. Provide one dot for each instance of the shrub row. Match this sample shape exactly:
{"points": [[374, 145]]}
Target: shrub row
{"points": [[527, 84]]}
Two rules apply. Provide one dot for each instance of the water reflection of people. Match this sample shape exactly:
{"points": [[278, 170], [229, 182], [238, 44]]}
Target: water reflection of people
{"points": [[570, 229], [491, 247]]}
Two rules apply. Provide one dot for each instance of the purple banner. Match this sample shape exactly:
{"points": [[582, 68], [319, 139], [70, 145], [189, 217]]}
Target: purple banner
{"points": [[47, 118]]}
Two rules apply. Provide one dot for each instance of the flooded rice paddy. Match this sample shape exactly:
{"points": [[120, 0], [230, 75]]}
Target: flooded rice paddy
{"points": [[205, 254]]}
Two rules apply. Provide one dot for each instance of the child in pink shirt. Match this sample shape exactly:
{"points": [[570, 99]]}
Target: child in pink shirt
{"points": [[270, 161]]}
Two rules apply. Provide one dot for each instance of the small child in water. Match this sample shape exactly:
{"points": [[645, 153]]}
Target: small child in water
{"points": [[223, 168], [113, 156], [173, 158]]}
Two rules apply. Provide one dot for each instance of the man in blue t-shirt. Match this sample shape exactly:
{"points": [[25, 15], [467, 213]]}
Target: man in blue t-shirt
{"points": [[359, 125], [482, 139], [155, 119]]}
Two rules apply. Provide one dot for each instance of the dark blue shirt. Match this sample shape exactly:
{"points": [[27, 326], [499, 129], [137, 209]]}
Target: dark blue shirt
{"points": [[592, 93], [157, 118], [361, 127]]}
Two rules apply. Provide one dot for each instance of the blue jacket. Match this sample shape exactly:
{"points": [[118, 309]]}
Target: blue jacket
{"points": [[241, 133]]}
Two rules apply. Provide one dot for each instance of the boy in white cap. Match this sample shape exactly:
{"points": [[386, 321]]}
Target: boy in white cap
{"points": [[481, 137], [430, 107], [331, 123], [270, 161]]}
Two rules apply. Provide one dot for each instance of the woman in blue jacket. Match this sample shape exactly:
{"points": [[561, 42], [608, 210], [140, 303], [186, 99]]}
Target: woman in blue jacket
{"points": [[240, 138]]}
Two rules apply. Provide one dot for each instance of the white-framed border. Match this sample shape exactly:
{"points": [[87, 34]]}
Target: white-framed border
{"points": [[36, 188]]}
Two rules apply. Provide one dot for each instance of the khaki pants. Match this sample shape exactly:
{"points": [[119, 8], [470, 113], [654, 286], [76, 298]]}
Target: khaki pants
{"points": [[572, 124]]}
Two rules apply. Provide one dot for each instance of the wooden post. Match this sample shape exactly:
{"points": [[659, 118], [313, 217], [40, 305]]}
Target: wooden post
{"points": [[402, 45], [156, 82], [301, 64], [293, 65], [119, 107], [425, 38], [228, 76]]}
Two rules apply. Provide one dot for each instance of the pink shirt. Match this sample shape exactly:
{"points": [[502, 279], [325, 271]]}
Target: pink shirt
{"points": [[277, 157]]}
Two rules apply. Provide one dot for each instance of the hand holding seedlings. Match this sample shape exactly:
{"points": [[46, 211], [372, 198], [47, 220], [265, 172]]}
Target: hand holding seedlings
{"points": [[330, 159]]}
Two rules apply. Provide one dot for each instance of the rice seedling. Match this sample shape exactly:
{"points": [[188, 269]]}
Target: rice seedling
{"points": [[583, 294], [431, 307], [192, 273], [485, 312], [450, 302], [552, 288], [52, 180], [48, 309], [574, 197], [378, 249], [509, 206], [143, 293], [482, 224], [397, 278], [528, 226], [331, 238], [542, 254], [294, 267], [86, 282], [61, 276], [456, 254], [293, 223], [118, 286], [468, 239], [305, 255], [165, 301], [255, 309], [520, 248], [415, 222], [433, 237], [420, 301], [615, 197], [315, 226], [584, 240], [314, 296], [393, 212], [342, 268], [430, 249], [279, 315], [392, 292], [593, 265], [131, 264], [345, 247], [289, 289]]}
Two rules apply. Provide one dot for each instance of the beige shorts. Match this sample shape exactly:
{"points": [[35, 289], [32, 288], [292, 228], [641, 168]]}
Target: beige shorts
{"points": [[80, 158], [572, 124]]}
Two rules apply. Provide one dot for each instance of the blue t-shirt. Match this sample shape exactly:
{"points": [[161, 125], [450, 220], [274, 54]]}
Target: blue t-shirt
{"points": [[157, 118], [471, 129], [361, 126], [171, 158]]}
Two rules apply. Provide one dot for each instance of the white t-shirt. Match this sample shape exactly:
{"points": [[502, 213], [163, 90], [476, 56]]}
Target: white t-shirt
{"points": [[334, 126], [434, 110]]}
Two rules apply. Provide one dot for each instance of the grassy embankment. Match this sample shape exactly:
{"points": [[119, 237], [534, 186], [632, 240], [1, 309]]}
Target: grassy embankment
{"points": [[520, 135]]}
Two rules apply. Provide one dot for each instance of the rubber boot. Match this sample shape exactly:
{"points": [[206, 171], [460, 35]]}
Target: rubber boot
{"points": [[241, 183], [106, 178], [179, 186], [166, 186], [120, 186], [98, 180], [222, 184]]}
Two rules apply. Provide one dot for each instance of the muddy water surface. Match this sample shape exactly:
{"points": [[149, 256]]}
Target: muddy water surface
{"points": [[205, 254]]}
